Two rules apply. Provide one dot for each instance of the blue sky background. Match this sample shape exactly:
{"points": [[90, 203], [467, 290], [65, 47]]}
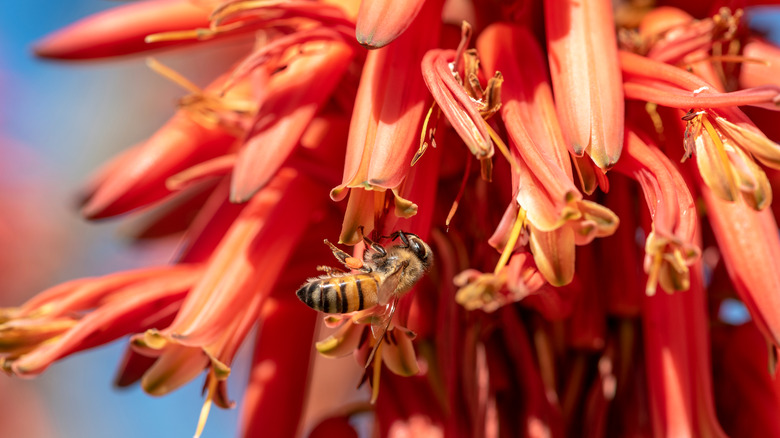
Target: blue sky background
{"points": [[74, 117]]}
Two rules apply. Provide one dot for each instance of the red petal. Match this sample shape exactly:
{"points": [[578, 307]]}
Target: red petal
{"points": [[275, 395], [297, 93], [382, 21], [122, 30], [750, 246], [140, 178]]}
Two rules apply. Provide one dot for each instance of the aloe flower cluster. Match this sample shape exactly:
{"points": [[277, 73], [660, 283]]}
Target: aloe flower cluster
{"points": [[595, 180]]}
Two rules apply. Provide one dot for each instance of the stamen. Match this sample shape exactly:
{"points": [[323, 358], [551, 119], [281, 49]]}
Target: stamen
{"points": [[737, 59], [173, 76], [503, 148], [465, 38], [431, 133], [180, 35], [377, 374], [652, 275], [204, 411], [719, 146], [652, 110], [486, 169], [230, 8], [461, 190], [510, 244]]}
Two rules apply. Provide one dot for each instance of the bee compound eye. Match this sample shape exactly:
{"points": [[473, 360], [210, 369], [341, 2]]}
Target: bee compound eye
{"points": [[417, 248]]}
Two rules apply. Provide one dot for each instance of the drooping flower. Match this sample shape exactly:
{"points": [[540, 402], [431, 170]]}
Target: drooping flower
{"points": [[527, 324]]}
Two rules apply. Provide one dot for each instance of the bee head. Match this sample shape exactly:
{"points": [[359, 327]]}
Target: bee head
{"points": [[420, 249]]}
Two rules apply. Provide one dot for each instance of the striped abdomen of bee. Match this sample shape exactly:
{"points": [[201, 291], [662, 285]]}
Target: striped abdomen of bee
{"points": [[341, 293]]}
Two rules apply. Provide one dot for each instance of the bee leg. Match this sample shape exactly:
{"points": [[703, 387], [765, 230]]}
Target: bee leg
{"points": [[329, 270], [371, 244], [346, 259], [402, 235], [375, 246], [339, 254]]}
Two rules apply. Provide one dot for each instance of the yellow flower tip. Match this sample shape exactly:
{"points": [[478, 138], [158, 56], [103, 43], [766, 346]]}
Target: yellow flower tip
{"points": [[8, 313], [404, 208], [156, 387], [398, 353], [653, 270], [586, 173], [350, 236], [604, 158], [338, 193], [341, 343], [595, 221], [554, 254], [327, 345], [666, 263], [21, 336], [569, 213], [333, 321], [368, 41], [6, 366], [558, 275], [479, 290], [153, 339], [16, 369], [219, 369], [725, 155]]}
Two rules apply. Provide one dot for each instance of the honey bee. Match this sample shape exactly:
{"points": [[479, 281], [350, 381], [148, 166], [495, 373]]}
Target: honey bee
{"points": [[383, 277]]}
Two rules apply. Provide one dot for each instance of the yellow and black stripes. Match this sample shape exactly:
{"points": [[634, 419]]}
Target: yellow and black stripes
{"points": [[341, 293]]}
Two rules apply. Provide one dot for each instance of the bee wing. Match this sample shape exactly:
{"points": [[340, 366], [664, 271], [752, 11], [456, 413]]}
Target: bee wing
{"points": [[385, 296], [379, 325], [390, 283], [381, 320]]}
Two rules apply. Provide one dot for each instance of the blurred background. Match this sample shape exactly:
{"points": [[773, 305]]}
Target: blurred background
{"points": [[58, 123]]}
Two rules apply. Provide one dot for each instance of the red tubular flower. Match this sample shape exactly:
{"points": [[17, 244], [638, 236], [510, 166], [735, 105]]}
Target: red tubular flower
{"points": [[455, 103], [620, 253], [761, 67], [272, 406], [679, 379], [527, 110], [45, 330], [581, 48], [544, 187], [740, 360], [385, 124], [506, 322], [295, 97], [586, 325], [140, 175], [381, 22], [748, 239], [724, 140], [197, 324], [122, 30], [674, 87], [670, 247]]}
